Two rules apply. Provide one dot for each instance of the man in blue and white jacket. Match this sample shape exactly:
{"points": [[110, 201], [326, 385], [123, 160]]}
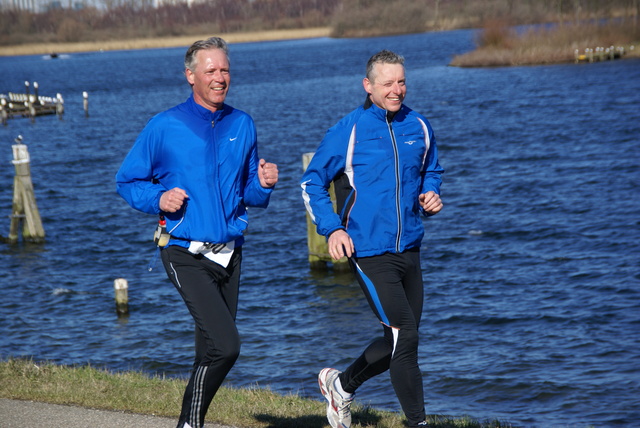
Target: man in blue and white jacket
{"points": [[197, 166], [383, 160]]}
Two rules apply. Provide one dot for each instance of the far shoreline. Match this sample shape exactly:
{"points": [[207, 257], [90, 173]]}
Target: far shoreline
{"points": [[160, 42]]}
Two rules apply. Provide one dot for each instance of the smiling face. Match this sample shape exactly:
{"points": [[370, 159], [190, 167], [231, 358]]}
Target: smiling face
{"points": [[387, 86], [210, 78]]}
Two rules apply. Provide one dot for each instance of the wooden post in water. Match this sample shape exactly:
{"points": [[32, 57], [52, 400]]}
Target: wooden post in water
{"points": [[85, 103], [24, 209], [4, 114], [31, 106], [121, 288], [318, 251], [59, 106]]}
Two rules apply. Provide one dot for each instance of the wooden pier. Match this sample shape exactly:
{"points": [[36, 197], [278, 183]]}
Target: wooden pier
{"points": [[29, 104]]}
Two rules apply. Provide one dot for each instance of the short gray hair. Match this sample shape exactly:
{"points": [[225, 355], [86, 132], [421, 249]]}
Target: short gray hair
{"points": [[383, 57], [190, 60]]}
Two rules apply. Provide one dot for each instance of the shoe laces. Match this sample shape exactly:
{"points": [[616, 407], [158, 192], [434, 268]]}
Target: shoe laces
{"points": [[343, 404]]}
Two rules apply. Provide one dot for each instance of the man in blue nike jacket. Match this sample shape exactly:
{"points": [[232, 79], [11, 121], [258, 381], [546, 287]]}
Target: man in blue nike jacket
{"points": [[383, 160], [196, 165]]}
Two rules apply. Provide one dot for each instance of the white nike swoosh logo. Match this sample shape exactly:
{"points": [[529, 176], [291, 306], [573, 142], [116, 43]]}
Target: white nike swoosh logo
{"points": [[233, 139]]}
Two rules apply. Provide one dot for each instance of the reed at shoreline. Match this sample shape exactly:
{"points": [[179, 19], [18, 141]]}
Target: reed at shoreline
{"points": [[497, 44], [500, 45], [159, 42]]}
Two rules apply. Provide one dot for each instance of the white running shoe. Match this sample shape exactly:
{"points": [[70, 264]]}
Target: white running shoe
{"points": [[338, 406]]}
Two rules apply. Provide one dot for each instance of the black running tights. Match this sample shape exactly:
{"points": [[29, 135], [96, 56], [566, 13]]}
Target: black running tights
{"points": [[211, 294], [393, 286]]}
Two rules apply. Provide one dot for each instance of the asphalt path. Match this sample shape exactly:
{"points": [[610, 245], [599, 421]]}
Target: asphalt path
{"points": [[32, 414]]}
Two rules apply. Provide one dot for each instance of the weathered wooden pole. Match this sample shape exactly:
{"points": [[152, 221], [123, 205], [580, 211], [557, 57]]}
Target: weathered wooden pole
{"points": [[24, 209], [31, 106], [85, 103], [4, 114], [318, 251], [121, 288], [59, 105]]}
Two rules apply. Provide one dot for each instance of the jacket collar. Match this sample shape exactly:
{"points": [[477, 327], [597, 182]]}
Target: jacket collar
{"points": [[205, 113], [382, 114]]}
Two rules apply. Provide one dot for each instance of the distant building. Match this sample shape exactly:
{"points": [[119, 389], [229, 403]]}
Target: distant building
{"points": [[158, 3], [38, 6]]}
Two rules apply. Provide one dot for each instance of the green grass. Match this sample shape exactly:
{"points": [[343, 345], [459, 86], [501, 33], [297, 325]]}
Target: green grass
{"points": [[135, 392]]}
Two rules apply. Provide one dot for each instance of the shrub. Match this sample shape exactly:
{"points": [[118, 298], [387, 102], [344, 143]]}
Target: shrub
{"points": [[495, 34], [366, 18], [70, 31]]}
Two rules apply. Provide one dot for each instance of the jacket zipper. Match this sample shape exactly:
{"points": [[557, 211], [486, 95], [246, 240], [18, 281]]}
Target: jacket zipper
{"points": [[397, 171]]}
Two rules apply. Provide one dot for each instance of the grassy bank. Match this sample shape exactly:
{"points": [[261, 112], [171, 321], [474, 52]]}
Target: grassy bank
{"points": [[134, 392], [500, 45], [159, 42]]}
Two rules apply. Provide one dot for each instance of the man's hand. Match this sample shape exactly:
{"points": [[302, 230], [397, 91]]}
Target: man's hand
{"points": [[267, 173], [172, 200], [430, 202], [340, 245]]}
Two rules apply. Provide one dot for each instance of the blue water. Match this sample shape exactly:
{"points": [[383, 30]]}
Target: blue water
{"points": [[532, 271]]}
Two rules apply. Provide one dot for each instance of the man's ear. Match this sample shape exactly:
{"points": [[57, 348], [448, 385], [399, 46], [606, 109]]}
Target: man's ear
{"points": [[189, 75], [367, 85]]}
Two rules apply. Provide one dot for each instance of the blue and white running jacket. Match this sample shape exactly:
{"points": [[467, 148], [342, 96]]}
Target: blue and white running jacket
{"points": [[213, 156], [379, 168]]}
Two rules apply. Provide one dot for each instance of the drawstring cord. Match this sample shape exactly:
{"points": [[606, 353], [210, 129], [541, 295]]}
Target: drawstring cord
{"points": [[154, 259]]}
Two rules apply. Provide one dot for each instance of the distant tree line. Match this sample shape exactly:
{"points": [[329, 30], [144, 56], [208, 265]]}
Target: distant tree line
{"points": [[139, 19], [346, 18], [365, 18]]}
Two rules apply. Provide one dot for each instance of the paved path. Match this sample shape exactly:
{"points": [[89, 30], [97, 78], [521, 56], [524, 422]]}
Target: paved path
{"points": [[31, 414]]}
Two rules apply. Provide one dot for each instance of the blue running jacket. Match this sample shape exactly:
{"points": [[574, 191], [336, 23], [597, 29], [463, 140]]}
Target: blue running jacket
{"points": [[379, 168], [213, 156]]}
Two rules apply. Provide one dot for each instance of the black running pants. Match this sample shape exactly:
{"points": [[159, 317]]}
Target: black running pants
{"points": [[210, 292], [392, 284]]}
